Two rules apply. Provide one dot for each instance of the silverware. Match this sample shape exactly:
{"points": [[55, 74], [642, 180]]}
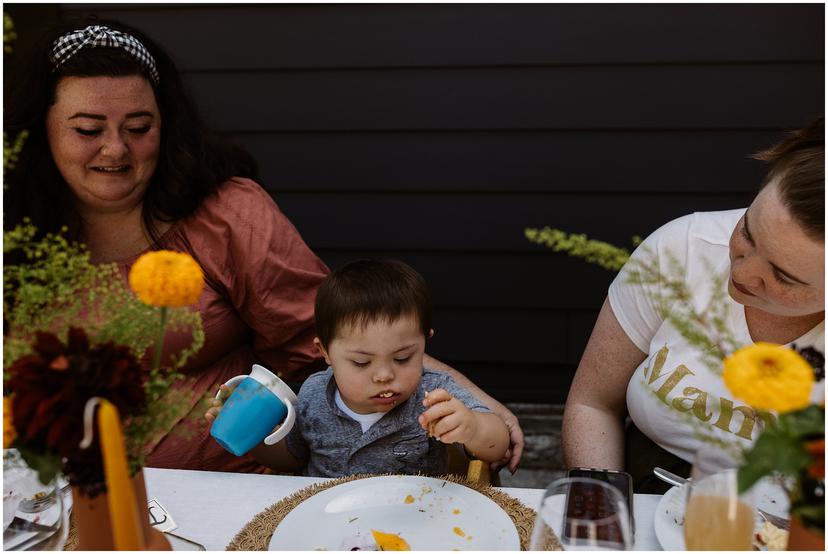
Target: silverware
{"points": [[41, 533], [35, 540], [194, 543], [669, 477], [781, 522], [23, 525], [40, 503], [673, 479], [37, 504]]}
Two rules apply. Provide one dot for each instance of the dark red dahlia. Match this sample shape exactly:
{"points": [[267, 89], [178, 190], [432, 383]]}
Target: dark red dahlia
{"points": [[52, 385]]}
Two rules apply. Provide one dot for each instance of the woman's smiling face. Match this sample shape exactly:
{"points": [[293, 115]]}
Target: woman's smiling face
{"points": [[775, 265], [105, 138]]}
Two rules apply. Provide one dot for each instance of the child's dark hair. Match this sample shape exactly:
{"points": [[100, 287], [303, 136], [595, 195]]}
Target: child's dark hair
{"points": [[366, 291]]}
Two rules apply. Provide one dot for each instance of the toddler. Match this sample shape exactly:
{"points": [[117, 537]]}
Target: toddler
{"points": [[376, 409]]}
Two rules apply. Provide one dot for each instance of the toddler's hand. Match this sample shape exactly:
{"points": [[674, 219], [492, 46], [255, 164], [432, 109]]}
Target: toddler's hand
{"points": [[216, 403], [446, 418]]}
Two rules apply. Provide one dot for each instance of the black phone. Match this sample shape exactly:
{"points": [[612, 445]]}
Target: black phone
{"points": [[586, 502]]}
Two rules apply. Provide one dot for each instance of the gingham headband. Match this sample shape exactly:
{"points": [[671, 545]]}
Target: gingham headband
{"points": [[96, 36]]}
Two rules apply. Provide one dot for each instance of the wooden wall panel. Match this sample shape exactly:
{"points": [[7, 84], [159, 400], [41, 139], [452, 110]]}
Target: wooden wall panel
{"points": [[595, 161], [435, 133], [585, 97], [300, 36]]}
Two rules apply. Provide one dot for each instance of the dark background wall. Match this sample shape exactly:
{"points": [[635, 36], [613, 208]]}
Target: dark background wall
{"points": [[437, 133]]}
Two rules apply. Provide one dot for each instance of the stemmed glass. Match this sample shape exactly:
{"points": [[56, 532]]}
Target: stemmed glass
{"points": [[717, 517], [583, 514]]}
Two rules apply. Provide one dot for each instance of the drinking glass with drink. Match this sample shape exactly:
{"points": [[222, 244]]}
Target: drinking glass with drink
{"points": [[717, 517], [582, 514]]}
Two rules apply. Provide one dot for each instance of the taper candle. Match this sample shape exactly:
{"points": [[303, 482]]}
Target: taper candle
{"points": [[123, 509]]}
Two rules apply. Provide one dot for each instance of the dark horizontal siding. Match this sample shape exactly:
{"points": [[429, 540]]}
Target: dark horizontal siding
{"points": [[483, 222], [538, 383], [624, 97], [301, 36], [459, 280], [435, 133], [517, 161]]}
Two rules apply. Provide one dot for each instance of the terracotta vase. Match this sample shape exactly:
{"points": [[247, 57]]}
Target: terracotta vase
{"points": [[802, 538], [94, 529]]}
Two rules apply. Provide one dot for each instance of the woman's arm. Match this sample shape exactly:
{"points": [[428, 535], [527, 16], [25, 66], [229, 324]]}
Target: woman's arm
{"points": [[593, 427], [515, 451]]}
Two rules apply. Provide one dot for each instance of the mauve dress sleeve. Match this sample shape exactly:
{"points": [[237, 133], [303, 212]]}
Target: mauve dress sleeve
{"points": [[255, 256]]}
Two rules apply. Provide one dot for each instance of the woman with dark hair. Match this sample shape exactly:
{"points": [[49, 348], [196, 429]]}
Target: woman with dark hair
{"points": [[117, 154], [636, 362]]}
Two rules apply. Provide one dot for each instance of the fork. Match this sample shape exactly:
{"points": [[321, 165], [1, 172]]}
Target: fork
{"points": [[40, 503], [781, 522]]}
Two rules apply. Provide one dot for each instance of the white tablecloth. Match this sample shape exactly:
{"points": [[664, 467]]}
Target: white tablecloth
{"points": [[211, 507]]}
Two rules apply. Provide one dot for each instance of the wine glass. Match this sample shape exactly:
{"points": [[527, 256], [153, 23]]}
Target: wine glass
{"points": [[716, 516], [583, 514]]}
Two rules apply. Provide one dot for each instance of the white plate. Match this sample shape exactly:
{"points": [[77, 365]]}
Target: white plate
{"points": [[669, 514], [430, 514]]}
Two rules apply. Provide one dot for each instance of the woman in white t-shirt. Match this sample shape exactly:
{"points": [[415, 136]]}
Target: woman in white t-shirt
{"points": [[637, 364]]}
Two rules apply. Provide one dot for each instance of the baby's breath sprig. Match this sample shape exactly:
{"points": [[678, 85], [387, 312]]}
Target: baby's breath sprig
{"points": [[606, 255], [704, 328]]}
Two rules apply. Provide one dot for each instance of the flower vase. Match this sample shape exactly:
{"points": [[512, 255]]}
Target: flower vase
{"points": [[803, 538], [93, 525]]}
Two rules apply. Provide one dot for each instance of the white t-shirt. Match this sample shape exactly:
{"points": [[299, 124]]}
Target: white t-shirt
{"points": [[364, 420], [673, 395]]}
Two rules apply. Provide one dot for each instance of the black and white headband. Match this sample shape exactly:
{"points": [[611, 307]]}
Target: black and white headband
{"points": [[101, 36]]}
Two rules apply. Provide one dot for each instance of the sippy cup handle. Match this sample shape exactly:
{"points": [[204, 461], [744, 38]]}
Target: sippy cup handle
{"points": [[286, 426], [232, 382]]}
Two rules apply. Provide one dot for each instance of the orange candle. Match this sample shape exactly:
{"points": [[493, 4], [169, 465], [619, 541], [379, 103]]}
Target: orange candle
{"points": [[123, 509]]}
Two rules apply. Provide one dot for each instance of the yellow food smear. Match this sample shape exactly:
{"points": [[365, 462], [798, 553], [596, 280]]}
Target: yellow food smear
{"points": [[389, 541], [409, 499], [456, 511], [458, 531]]}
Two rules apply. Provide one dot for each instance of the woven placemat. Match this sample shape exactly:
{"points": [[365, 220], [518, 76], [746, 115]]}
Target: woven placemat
{"points": [[257, 533], [72, 539]]}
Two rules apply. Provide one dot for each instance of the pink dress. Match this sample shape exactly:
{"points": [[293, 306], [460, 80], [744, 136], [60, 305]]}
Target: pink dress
{"points": [[256, 307]]}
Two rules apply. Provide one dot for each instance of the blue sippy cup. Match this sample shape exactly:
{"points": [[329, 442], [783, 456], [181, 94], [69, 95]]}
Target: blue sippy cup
{"points": [[260, 402]]}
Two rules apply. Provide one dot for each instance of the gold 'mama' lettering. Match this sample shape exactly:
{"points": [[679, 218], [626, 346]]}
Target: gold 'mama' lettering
{"points": [[658, 363], [688, 402], [680, 373], [726, 416]]}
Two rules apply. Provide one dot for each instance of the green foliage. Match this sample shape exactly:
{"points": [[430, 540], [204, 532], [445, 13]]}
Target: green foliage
{"points": [[781, 449], [598, 252], [11, 150], [9, 35], [56, 286], [707, 328]]}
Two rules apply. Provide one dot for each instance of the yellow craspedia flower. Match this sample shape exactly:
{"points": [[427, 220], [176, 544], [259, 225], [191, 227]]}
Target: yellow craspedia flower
{"points": [[166, 278], [769, 377], [9, 432]]}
